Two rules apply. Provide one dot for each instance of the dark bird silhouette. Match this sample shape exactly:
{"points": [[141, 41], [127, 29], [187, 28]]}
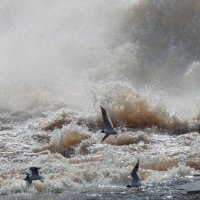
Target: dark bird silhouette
{"points": [[28, 180], [33, 176], [135, 182], [108, 125]]}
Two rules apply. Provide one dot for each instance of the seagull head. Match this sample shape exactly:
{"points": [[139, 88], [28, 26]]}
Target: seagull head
{"points": [[27, 177]]}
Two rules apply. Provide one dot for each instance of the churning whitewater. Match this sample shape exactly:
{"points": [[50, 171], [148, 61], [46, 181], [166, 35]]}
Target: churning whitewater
{"points": [[61, 62]]}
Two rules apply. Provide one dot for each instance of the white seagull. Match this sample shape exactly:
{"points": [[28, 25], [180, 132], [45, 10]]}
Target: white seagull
{"points": [[135, 182], [108, 125]]}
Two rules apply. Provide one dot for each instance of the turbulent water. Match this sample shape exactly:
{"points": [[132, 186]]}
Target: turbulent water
{"points": [[61, 60]]}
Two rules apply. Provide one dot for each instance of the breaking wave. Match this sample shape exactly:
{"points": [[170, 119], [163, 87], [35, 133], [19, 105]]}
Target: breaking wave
{"points": [[127, 109]]}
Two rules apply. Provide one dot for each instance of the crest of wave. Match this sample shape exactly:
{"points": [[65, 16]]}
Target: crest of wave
{"points": [[128, 107], [63, 140]]}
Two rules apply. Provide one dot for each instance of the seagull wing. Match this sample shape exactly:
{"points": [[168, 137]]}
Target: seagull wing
{"points": [[135, 170], [106, 120], [135, 179], [34, 171]]}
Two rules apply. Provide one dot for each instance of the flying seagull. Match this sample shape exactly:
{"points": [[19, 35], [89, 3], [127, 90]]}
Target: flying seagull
{"points": [[108, 125], [33, 176], [135, 182]]}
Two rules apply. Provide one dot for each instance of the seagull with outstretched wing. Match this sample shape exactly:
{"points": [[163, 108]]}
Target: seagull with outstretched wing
{"points": [[33, 176], [135, 182], [108, 125]]}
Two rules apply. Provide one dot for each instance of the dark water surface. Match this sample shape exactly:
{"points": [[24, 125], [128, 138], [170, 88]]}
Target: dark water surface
{"points": [[168, 190]]}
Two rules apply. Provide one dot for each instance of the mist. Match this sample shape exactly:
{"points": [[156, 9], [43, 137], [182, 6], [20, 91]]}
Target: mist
{"points": [[55, 54]]}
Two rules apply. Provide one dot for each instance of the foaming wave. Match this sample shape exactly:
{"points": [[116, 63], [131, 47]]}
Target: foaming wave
{"points": [[193, 163], [66, 116], [129, 138], [63, 140], [161, 166], [138, 113], [84, 147], [73, 135], [174, 172], [14, 186], [126, 107], [59, 119]]}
